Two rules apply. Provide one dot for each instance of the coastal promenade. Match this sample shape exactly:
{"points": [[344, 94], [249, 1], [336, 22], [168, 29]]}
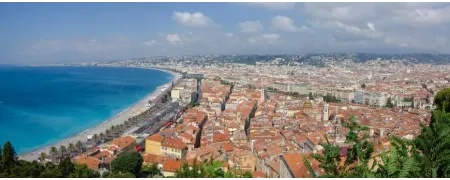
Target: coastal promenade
{"points": [[120, 118]]}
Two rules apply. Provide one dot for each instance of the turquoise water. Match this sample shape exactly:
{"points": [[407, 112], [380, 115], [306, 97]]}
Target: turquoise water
{"points": [[42, 105]]}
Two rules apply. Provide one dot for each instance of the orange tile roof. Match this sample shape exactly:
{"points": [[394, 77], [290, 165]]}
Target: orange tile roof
{"points": [[152, 158], [296, 165], [171, 165], [156, 137], [220, 137], [174, 143], [123, 142], [228, 147], [258, 174], [91, 162]]}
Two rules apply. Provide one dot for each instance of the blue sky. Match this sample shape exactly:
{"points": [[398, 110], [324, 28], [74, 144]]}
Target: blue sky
{"points": [[38, 33]]}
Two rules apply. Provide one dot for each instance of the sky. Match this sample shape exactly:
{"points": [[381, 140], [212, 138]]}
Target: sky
{"points": [[40, 33]]}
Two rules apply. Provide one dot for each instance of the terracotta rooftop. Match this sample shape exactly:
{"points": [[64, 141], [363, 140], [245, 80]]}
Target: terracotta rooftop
{"points": [[156, 137], [174, 143], [171, 165], [258, 174], [152, 159], [91, 162], [220, 137], [123, 142], [296, 165]]}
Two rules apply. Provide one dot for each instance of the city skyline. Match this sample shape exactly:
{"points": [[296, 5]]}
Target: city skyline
{"points": [[58, 33]]}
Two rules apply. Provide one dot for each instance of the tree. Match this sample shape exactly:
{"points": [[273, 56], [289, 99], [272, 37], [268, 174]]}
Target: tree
{"points": [[82, 171], [108, 134], [71, 148], [42, 157], [442, 100], [152, 170], [121, 175], [8, 157], [50, 171], [62, 150], [358, 154], [389, 103], [1, 164], [434, 145], [53, 152], [363, 85], [187, 172], [102, 136], [212, 167], [311, 97], [247, 175], [95, 138], [113, 130], [128, 162], [399, 162], [66, 167], [79, 146]]}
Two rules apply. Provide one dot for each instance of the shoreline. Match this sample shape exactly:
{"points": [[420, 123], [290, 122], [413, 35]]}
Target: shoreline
{"points": [[134, 109]]}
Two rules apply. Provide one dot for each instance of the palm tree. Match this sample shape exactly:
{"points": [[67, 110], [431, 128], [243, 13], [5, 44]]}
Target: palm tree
{"points": [[126, 123], [79, 146], [113, 131], [62, 150], [121, 127], [43, 157], [102, 136], [71, 147], [108, 133], [53, 152], [95, 138]]}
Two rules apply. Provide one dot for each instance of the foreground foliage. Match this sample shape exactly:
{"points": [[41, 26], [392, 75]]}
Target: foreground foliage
{"points": [[208, 169], [427, 156], [11, 167]]}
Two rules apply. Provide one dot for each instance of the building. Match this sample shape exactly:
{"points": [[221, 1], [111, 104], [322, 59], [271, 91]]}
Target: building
{"points": [[185, 91], [292, 166], [170, 167], [90, 162], [174, 148], [153, 144], [359, 97], [123, 143], [377, 99], [325, 112]]}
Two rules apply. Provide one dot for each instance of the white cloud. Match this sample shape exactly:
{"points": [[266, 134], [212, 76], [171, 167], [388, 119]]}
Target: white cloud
{"points": [[173, 38], [150, 43], [274, 5], [196, 19], [270, 37], [283, 23], [250, 26], [354, 30], [287, 24], [419, 27], [424, 16], [371, 26], [251, 40]]}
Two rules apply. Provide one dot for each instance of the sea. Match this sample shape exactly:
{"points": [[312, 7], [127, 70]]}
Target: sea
{"points": [[40, 106]]}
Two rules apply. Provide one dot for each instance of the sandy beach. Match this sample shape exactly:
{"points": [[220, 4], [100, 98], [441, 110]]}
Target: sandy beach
{"points": [[120, 118]]}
